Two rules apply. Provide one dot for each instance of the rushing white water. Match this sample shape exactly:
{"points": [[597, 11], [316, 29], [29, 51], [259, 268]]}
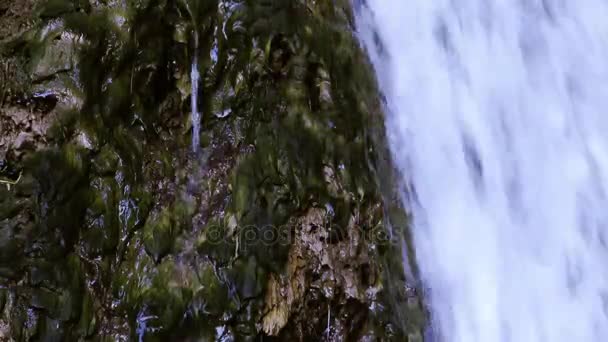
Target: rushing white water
{"points": [[498, 116]]}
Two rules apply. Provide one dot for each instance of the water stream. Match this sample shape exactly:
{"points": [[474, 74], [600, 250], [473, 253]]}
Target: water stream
{"points": [[196, 119], [498, 116]]}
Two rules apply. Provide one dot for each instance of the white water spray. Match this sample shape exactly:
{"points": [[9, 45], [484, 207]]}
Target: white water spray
{"points": [[498, 116]]}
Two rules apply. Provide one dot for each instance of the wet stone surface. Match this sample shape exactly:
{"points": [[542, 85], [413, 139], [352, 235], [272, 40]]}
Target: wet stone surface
{"points": [[111, 229]]}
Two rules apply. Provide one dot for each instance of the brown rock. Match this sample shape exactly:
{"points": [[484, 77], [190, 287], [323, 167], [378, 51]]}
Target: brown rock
{"points": [[24, 141]]}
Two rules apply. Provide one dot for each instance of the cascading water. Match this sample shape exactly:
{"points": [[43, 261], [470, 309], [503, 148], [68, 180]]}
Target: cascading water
{"points": [[498, 116], [194, 80], [196, 119]]}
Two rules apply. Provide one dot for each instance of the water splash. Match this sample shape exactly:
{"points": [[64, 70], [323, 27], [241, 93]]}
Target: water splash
{"points": [[496, 114]]}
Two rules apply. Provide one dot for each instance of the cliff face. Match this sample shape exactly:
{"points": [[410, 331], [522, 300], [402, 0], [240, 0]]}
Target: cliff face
{"points": [[111, 228]]}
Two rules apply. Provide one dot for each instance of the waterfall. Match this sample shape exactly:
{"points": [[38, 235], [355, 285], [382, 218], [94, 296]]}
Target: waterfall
{"points": [[194, 80], [196, 118], [497, 113]]}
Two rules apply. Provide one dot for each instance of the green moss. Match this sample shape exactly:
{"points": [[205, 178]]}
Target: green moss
{"points": [[87, 322], [159, 236]]}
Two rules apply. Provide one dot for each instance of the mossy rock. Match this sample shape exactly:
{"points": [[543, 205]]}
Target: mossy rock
{"points": [[157, 242]]}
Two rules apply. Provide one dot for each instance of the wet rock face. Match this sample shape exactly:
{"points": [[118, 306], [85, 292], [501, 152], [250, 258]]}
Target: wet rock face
{"points": [[24, 130], [15, 18], [324, 274], [112, 229]]}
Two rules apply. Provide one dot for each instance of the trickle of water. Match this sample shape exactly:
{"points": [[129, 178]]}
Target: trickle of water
{"points": [[497, 114], [196, 119]]}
